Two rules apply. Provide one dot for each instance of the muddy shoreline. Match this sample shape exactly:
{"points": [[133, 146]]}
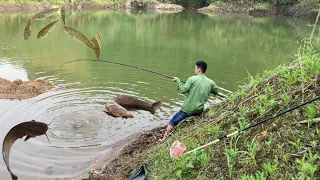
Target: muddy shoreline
{"points": [[19, 89], [123, 157]]}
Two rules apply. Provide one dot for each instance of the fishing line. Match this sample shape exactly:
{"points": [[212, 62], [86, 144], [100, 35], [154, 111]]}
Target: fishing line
{"points": [[47, 138], [140, 68], [253, 125]]}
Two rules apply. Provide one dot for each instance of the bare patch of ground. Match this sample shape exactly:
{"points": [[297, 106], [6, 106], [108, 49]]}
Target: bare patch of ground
{"points": [[19, 89], [128, 159]]}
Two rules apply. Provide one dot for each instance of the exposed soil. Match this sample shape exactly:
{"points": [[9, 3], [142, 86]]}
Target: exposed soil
{"points": [[19, 89], [128, 158]]}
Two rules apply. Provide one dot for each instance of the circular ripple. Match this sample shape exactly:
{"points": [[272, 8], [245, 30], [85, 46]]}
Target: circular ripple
{"points": [[77, 125]]}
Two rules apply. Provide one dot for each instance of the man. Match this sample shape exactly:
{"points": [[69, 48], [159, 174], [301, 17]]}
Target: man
{"points": [[197, 90]]}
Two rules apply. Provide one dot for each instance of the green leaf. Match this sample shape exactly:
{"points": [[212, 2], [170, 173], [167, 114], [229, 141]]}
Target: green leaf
{"points": [[178, 174], [190, 165]]}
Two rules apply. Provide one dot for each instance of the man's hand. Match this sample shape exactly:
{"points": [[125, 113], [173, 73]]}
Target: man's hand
{"points": [[174, 79]]}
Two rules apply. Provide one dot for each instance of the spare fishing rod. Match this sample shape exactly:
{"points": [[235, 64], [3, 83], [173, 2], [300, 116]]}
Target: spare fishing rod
{"points": [[253, 125], [140, 68]]}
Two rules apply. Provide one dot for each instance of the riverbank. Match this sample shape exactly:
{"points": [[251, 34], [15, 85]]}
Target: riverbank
{"points": [[303, 9], [284, 148], [19, 89], [35, 7]]}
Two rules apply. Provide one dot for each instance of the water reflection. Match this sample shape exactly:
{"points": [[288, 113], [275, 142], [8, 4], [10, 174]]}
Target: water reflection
{"points": [[11, 72]]}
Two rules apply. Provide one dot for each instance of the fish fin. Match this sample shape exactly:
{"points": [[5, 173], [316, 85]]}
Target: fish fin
{"points": [[14, 177], [127, 116], [156, 106], [28, 137]]}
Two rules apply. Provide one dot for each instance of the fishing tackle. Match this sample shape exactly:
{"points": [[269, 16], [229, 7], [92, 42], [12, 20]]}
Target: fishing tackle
{"points": [[140, 68]]}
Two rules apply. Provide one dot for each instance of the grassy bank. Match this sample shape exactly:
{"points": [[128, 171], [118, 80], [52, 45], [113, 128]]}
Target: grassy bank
{"points": [[281, 149]]}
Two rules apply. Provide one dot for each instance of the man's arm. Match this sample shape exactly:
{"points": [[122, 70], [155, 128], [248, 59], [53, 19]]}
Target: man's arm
{"points": [[183, 87], [215, 89]]}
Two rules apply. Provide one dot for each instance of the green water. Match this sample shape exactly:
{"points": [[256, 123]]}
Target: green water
{"points": [[233, 46]]}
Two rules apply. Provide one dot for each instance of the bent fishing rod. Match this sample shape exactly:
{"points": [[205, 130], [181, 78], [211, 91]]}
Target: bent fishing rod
{"points": [[140, 68], [254, 125]]}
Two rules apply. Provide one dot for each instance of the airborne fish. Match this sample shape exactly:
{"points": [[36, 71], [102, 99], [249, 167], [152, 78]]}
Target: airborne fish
{"points": [[115, 110], [30, 129], [27, 30], [132, 103], [78, 36], [63, 15], [47, 29], [96, 41], [44, 14]]}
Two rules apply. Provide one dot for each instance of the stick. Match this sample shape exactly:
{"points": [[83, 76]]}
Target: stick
{"points": [[306, 121]]}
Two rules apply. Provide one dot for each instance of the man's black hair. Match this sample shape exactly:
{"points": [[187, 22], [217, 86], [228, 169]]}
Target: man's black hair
{"points": [[202, 65]]}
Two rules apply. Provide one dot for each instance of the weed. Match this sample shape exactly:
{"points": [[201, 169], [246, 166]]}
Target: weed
{"points": [[260, 109], [215, 130], [270, 169], [306, 168], [211, 112], [253, 148], [280, 146], [285, 98], [259, 176], [314, 143], [311, 114], [297, 144], [285, 157], [312, 158], [231, 155], [268, 143], [242, 122]]}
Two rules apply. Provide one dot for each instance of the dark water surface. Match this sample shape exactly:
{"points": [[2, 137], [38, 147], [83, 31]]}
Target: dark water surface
{"points": [[168, 43]]}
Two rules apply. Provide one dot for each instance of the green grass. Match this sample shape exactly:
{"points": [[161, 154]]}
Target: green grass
{"points": [[264, 5], [212, 6]]}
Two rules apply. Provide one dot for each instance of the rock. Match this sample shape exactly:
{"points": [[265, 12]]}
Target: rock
{"points": [[142, 4], [192, 4]]}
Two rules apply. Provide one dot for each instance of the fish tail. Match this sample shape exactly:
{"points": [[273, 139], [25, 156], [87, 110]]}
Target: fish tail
{"points": [[63, 16], [156, 106]]}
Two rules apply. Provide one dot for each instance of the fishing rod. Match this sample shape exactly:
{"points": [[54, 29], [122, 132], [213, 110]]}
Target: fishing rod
{"points": [[253, 125], [140, 68]]}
